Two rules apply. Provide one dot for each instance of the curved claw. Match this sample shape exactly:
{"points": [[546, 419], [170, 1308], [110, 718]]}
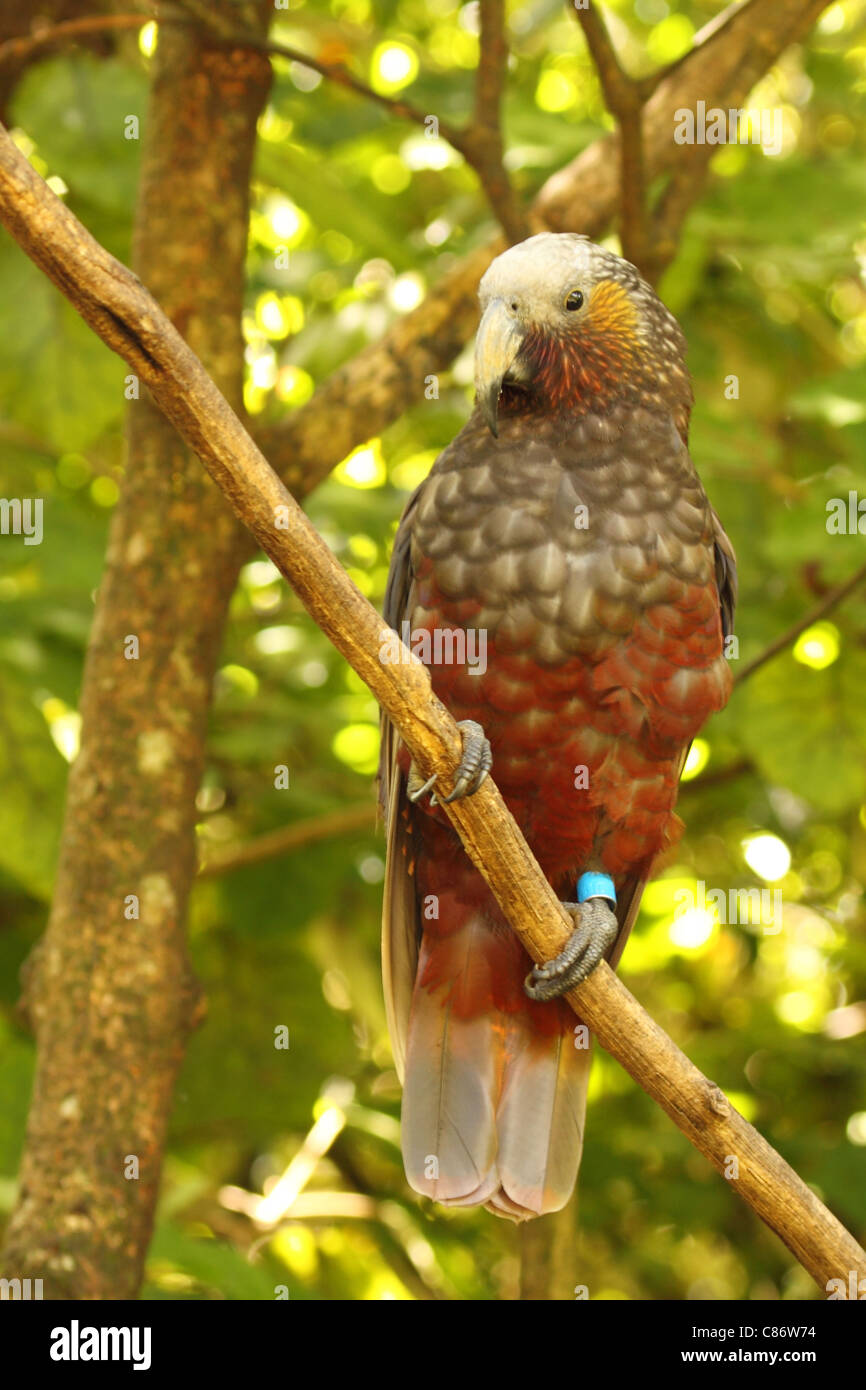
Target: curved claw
{"points": [[476, 762], [460, 788], [596, 929], [415, 793]]}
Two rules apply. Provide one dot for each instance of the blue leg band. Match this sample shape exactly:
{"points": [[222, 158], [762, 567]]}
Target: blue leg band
{"points": [[595, 886]]}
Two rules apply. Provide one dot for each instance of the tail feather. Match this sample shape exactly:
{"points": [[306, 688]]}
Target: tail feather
{"points": [[540, 1121], [448, 1120], [493, 1105]]}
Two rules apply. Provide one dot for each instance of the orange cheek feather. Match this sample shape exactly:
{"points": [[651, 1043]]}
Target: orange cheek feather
{"points": [[611, 313]]}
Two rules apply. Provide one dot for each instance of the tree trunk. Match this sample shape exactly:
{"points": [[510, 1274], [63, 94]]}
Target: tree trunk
{"points": [[109, 989]]}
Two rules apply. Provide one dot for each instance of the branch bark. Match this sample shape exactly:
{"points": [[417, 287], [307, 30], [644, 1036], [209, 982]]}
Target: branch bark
{"points": [[112, 999], [114, 303]]}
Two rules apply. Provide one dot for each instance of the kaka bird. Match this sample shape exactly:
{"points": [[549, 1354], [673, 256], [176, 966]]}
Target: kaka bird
{"points": [[566, 536]]}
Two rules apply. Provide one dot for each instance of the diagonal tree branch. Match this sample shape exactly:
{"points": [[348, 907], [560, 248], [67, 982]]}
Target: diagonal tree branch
{"points": [[114, 303]]}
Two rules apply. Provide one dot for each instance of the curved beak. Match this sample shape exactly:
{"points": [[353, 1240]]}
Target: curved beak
{"points": [[499, 340]]}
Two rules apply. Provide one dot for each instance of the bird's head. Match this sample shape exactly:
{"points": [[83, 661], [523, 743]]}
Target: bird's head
{"points": [[568, 327]]}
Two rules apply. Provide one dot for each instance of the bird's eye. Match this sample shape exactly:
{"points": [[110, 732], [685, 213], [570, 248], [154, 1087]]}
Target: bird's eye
{"points": [[574, 300]]}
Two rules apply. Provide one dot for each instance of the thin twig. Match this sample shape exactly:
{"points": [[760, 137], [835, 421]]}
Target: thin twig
{"points": [[288, 839], [24, 46], [625, 101], [121, 311], [481, 143], [291, 838], [332, 72], [649, 237], [682, 192], [336, 73], [718, 777], [826, 605]]}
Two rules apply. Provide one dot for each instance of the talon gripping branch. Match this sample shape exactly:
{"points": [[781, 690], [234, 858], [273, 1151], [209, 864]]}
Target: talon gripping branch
{"points": [[566, 521]]}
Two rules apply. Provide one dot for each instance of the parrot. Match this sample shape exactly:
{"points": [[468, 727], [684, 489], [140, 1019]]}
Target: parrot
{"points": [[564, 577]]}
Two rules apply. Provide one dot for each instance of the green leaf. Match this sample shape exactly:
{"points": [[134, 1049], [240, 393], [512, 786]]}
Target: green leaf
{"points": [[33, 777], [56, 377], [75, 109], [216, 1267], [806, 729], [16, 1081]]}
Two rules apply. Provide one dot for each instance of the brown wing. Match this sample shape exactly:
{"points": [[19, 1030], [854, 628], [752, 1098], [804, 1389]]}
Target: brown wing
{"points": [[400, 920], [630, 894], [726, 576]]}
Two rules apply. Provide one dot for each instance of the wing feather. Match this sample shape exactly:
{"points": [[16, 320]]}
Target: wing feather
{"points": [[631, 892], [400, 918]]}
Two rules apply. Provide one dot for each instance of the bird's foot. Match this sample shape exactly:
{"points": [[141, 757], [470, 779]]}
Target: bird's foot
{"points": [[595, 930], [476, 762]]}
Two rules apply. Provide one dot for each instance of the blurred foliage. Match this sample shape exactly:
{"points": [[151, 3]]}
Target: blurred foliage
{"points": [[769, 285]]}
